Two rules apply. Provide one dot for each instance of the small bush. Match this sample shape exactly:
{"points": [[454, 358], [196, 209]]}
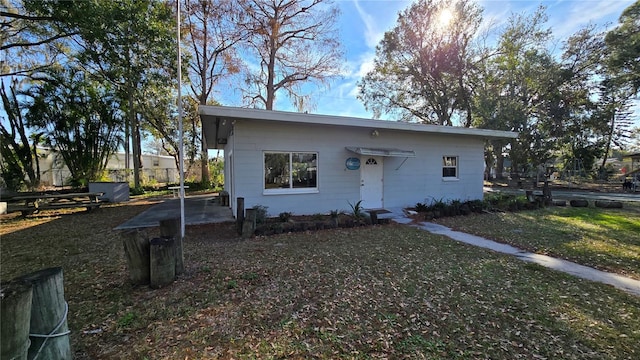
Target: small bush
{"points": [[420, 207], [284, 216], [356, 209], [136, 190], [261, 213], [438, 205]]}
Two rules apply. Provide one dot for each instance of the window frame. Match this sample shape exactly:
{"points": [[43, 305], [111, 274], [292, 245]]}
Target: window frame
{"points": [[290, 189], [456, 167]]}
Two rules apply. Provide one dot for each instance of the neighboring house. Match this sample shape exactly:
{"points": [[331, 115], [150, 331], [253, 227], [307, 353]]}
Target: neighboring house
{"points": [[635, 161], [308, 164], [158, 168]]}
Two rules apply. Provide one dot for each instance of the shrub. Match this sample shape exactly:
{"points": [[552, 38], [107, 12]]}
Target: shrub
{"points": [[420, 207], [284, 216], [136, 190], [438, 204], [356, 209], [261, 213]]}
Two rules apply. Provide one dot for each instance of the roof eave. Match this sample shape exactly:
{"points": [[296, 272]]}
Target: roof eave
{"points": [[231, 113]]}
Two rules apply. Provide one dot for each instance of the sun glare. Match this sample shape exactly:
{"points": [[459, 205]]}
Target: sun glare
{"points": [[445, 17]]}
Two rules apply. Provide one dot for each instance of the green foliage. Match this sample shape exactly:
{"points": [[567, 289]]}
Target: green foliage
{"points": [[232, 284], [216, 173], [356, 209], [127, 320], [79, 118], [284, 216], [497, 198], [250, 276], [438, 204], [334, 213], [261, 213], [139, 190], [622, 43], [423, 68], [195, 186], [420, 207], [19, 166], [161, 120]]}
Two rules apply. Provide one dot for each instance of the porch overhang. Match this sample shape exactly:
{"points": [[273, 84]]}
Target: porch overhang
{"points": [[382, 152]]}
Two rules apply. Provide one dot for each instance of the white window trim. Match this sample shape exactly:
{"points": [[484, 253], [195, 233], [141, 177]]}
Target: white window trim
{"points": [[291, 190], [452, 178]]}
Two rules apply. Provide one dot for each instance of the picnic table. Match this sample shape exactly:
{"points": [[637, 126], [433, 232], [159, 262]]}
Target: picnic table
{"points": [[32, 203], [176, 190]]}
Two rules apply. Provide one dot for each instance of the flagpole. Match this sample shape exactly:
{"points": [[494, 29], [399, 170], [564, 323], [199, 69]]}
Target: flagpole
{"points": [[180, 130]]}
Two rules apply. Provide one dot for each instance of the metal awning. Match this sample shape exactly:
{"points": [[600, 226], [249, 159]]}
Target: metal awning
{"points": [[382, 152]]}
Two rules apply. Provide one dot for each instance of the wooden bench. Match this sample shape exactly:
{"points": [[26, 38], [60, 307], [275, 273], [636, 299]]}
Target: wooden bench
{"points": [[29, 204], [176, 190]]}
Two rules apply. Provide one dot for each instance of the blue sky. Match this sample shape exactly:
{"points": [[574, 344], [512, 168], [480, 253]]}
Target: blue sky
{"points": [[363, 23]]}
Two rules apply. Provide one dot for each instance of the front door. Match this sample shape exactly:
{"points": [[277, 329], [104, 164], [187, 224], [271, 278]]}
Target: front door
{"points": [[371, 182]]}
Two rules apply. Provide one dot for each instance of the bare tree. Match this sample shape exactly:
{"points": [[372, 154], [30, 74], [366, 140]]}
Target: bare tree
{"points": [[295, 42], [211, 33]]}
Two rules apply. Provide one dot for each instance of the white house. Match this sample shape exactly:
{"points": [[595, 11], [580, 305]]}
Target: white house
{"points": [[161, 168], [308, 164]]}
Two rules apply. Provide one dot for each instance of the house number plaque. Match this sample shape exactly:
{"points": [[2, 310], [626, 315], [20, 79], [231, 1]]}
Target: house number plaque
{"points": [[352, 163]]}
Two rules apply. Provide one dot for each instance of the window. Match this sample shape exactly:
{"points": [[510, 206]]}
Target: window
{"points": [[450, 167], [290, 172]]}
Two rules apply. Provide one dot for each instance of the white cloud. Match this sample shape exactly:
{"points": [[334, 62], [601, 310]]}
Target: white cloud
{"points": [[372, 35], [576, 14]]}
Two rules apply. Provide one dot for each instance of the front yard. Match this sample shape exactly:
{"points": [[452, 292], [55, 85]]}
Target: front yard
{"points": [[607, 239], [389, 291]]}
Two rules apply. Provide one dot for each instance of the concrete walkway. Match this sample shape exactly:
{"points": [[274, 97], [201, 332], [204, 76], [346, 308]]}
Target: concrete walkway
{"points": [[621, 282]]}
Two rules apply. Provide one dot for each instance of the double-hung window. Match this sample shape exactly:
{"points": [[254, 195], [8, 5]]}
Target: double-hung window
{"points": [[290, 172], [449, 167]]}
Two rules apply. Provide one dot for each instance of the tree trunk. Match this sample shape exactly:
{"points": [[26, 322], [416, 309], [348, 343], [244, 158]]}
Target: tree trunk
{"points": [[135, 140], [49, 310], [137, 156], [15, 318], [127, 152], [171, 228], [609, 139], [136, 250], [249, 224], [499, 165], [204, 164], [163, 262]]}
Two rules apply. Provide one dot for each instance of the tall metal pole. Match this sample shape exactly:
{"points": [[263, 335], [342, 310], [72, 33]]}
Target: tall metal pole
{"points": [[180, 130]]}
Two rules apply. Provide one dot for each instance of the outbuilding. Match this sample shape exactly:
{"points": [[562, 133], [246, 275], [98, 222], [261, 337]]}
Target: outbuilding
{"points": [[309, 164]]}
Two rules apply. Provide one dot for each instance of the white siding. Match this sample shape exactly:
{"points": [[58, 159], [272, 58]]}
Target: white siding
{"points": [[419, 179]]}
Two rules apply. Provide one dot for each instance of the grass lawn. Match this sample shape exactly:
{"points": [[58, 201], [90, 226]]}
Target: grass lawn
{"points": [[607, 239], [389, 291]]}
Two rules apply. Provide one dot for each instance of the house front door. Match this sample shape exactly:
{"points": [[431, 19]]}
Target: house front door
{"points": [[371, 182]]}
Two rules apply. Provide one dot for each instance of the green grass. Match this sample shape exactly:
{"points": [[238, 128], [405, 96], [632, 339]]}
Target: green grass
{"points": [[388, 291], [608, 239]]}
